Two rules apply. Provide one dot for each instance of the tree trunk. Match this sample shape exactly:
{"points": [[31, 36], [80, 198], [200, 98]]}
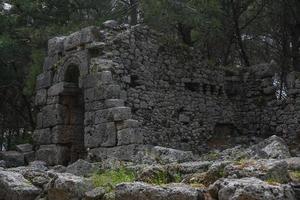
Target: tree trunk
{"points": [[238, 35], [133, 12], [185, 32], [295, 36]]}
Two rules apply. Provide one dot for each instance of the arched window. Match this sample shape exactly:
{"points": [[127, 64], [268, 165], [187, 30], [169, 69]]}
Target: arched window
{"points": [[72, 74]]}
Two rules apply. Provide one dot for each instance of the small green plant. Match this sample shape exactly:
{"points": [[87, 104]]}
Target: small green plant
{"points": [[295, 175], [272, 181], [110, 178]]}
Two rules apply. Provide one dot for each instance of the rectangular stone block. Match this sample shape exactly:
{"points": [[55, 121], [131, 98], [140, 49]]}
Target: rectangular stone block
{"points": [[44, 80], [53, 154], [24, 148], [110, 103], [65, 134], [102, 135], [55, 45], [12, 158], [130, 123], [101, 116], [119, 113], [90, 34], [39, 120], [29, 156], [89, 95], [42, 136], [54, 115], [107, 92], [72, 41], [93, 80], [89, 118], [50, 62], [130, 136], [41, 97]]}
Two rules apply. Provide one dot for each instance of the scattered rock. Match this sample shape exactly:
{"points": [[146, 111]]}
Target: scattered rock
{"points": [[12, 158], [40, 165], [14, 186], [110, 24], [67, 186], [95, 194], [273, 147], [268, 170], [167, 155], [250, 189], [138, 191], [81, 168]]}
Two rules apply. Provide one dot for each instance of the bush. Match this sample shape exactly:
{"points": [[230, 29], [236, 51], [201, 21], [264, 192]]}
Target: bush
{"points": [[110, 178]]}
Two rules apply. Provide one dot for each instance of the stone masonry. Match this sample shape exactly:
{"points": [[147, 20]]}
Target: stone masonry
{"points": [[114, 89]]}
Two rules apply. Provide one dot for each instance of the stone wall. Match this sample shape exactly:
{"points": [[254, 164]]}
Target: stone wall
{"points": [[116, 88]]}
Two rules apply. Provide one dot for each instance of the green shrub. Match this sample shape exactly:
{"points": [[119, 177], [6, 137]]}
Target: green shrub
{"points": [[110, 178]]}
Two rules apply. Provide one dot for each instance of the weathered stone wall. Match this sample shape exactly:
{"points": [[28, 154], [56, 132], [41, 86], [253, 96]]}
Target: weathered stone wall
{"points": [[263, 114], [176, 96], [110, 90]]}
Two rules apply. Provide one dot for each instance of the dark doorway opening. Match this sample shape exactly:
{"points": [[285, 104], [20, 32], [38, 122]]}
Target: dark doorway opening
{"points": [[73, 104]]}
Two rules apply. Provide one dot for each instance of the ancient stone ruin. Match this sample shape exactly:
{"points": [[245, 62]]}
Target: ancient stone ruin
{"points": [[118, 99], [108, 92]]}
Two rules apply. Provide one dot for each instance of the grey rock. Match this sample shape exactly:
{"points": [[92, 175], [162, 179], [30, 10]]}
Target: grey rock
{"points": [[66, 186], [81, 168], [249, 188], [138, 191], [14, 186], [110, 24], [12, 158], [275, 170], [95, 194]]}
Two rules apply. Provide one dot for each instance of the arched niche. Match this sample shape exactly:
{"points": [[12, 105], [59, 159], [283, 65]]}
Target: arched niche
{"points": [[72, 74], [72, 101]]}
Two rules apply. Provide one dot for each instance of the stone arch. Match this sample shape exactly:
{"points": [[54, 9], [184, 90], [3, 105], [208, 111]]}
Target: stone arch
{"points": [[72, 74]]}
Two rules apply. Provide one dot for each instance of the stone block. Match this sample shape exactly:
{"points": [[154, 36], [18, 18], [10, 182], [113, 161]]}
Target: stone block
{"points": [[101, 116], [72, 41], [119, 113], [107, 92], [63, 88], [24, 148], [50, 62], [129, 136], [42, 136], [63, 134], [53, 115], [39, 120], [84, 36], [41, 97], [13, 186], [29, 156], [12, 158], [55, 45], [44, 80], [110, 103], [53, 154], [102, 135], [89, 95], [130, 123], [90, 34]]}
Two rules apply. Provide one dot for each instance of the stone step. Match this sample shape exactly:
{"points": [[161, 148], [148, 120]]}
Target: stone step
{"points": [[130, 136]]}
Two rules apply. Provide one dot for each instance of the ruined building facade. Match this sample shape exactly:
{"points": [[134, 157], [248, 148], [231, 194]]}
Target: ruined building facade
{"points": [[111, 91]]}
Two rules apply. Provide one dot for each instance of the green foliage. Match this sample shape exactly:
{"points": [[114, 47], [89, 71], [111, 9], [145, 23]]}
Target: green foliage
{"points": [[295, 175], [37, 58], [110, 178]]}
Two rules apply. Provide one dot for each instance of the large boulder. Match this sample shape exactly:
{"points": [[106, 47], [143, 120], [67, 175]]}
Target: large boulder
{"points": [[272, 147], [95, 194], [66, 186], [12, 158], [269, 170], [138, 191], [167, 155], [250, 189], [81, 168], [13, 186]]}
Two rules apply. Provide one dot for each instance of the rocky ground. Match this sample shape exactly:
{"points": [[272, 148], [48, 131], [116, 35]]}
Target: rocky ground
{"points": [[265, 171]]}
